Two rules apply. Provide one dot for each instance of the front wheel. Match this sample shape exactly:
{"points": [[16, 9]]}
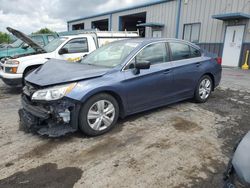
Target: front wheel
{"points": [[203, 89], [98, 115]]}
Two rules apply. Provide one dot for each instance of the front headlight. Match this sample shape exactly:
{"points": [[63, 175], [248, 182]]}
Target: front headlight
{"points": [[53, 93], [12, 62]]}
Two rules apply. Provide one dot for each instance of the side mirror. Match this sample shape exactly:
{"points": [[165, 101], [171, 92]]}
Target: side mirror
{"points": [[63, 51], [25, 46], [140, 64]]}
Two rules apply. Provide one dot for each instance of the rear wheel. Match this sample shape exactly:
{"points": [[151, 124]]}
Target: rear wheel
{"points": [[203, 89], [98, 115]]}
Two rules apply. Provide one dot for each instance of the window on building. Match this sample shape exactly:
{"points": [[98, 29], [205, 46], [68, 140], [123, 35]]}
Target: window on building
{"points": [[79, 26], [192, 32], [77, 45], [102, 25]]}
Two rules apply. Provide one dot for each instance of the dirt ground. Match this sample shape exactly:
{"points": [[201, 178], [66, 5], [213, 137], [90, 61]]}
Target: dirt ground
{"points": [[181, 145]]}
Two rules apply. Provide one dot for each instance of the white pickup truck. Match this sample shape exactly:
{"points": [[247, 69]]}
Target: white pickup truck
{"points": [[68, 47]]}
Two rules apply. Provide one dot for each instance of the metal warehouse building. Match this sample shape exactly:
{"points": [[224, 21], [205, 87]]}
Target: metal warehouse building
{"points": [[220, 26]]}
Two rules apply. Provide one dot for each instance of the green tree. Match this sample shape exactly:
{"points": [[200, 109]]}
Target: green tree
{"points": [[44, 31], [4, 38]]}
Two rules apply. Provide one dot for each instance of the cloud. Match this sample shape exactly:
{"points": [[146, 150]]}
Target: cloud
{"points": [[29, 16]]}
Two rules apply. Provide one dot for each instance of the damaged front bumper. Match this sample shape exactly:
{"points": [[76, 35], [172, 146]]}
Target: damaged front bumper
{"points": [[54, 119]]}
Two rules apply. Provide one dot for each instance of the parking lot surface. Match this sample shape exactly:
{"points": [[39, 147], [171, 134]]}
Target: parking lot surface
{"points": [[180, 145]]}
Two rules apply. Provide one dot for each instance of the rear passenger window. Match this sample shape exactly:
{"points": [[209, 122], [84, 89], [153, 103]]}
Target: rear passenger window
{"points": [[194, 52], [154, 53], [179, 51], [77, 45]]}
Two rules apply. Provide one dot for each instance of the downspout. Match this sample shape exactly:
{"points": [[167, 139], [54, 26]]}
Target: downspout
{"points": [[110, 22], [68, 25], [178, 17]]}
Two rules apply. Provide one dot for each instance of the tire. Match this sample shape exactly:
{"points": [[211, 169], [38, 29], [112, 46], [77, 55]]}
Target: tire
{"points": [[93, 120], [203, 89]]}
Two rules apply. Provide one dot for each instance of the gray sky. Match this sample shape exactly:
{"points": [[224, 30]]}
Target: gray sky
{"points": [[30, 15]]}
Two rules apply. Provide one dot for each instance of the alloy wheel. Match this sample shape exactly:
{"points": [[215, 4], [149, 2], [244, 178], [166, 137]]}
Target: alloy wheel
{"points": [[205, 88], [101, 115]]}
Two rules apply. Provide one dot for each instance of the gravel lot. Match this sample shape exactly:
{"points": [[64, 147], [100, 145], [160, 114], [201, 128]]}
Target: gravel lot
{"points": [[181, 145]]}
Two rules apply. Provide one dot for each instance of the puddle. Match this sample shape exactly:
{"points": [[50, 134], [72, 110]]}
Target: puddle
{"points": [[46, 175], [183, 125]]}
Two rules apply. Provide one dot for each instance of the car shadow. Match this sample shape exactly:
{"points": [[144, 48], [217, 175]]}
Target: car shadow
{"points": [[122, 122], [7, 90]]}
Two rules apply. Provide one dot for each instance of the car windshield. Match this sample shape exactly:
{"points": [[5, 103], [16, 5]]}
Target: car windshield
{"points": [[16, 44], [54, 44], [110, 55]]}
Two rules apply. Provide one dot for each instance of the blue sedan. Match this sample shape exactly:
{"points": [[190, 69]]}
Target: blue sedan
{"points": [[116, 80]]}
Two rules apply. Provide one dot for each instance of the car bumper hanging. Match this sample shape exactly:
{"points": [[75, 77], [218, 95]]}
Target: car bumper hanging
{"points": [[53, 119]]}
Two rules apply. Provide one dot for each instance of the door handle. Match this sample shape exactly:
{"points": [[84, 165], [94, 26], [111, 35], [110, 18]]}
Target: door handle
{"points": [[197, 64], [166, 71]]}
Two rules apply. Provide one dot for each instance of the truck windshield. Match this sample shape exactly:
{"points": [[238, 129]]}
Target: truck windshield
{"points": [[54, 44], [16, 44], [110, 55]]}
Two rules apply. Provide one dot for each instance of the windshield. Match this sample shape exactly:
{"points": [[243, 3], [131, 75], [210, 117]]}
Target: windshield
{"points": [[16, 44], [110, 55], [54, 44]]}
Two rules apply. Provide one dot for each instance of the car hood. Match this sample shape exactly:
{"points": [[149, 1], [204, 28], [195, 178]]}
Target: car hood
{"points": [[27, 40], [58, 71]]}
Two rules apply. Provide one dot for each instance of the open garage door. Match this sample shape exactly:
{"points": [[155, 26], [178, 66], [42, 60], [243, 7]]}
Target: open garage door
{"points": [[129, 22], [78, 26], [102, 25]]}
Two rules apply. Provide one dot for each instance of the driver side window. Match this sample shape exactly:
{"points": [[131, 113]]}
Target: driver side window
{"points": [[77, 45], [153, 53]]}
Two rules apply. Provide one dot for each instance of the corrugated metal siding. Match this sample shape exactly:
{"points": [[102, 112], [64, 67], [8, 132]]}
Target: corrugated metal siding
{"points": [[212, 30], [164, 13]]}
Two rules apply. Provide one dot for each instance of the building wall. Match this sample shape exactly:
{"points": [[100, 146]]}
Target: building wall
{"points": [[164, 13], [212, 31]]}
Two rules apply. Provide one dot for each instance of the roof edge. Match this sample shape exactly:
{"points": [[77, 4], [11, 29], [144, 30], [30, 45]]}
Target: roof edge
{"points": [[225, 16], [120, 10]]}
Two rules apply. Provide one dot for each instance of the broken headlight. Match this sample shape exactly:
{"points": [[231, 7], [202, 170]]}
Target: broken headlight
{"points": [[53, 93]]}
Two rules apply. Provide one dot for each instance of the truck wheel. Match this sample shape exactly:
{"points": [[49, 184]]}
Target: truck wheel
{"points": [[98, 115], [203, 89]]}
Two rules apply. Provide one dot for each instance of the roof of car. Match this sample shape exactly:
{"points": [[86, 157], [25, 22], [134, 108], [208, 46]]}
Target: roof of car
{"points": [[151, 40]]}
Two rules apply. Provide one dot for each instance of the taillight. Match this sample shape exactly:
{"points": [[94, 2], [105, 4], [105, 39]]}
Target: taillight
{"points": [[219, 60]]}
